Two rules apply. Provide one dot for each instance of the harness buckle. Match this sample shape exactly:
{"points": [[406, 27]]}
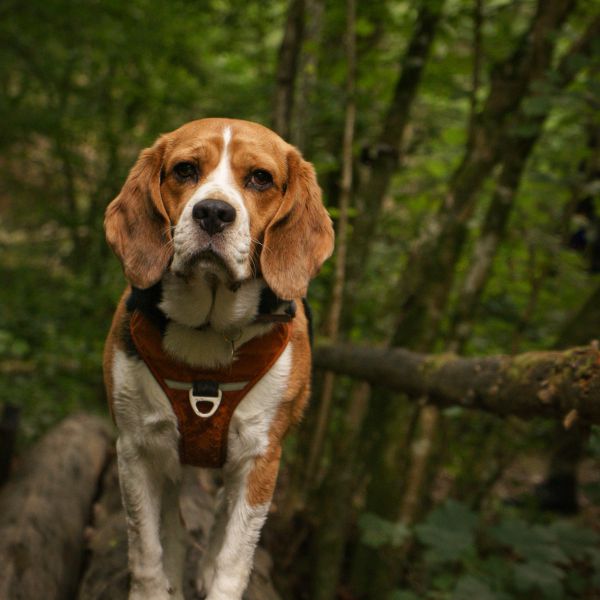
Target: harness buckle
{"points": [[196, 397]]}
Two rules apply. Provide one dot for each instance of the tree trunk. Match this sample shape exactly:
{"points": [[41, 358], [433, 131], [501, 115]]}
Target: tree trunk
{"points": [[335, 499], [477, 55], [558, 491], [534, 384], [484, 252], [308, 72], [332, 325], [287, 68], [45, 507], [384, 153]]}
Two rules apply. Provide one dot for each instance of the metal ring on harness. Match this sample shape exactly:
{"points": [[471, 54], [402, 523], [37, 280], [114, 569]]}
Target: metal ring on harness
{"points": [[214, 400]]}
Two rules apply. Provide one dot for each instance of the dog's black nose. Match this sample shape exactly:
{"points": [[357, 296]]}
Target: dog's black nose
{"points": [[213, 215]]}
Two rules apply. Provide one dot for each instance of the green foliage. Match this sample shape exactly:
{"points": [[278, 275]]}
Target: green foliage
{"points": [[448, 533], [52, 329], [466, 556]]}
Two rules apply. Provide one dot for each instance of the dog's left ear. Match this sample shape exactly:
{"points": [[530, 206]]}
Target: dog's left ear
{"points": [[136, 222], [300, 236]]}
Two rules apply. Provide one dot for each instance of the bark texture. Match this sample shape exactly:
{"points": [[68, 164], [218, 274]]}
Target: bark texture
{"points": [[45, 507], [534, 384], [287, 68]]}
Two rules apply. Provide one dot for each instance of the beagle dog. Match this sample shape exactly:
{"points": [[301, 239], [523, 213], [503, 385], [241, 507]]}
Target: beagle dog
{"points": [[219, 228]]}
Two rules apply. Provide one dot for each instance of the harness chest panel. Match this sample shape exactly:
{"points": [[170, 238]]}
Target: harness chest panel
{"points": [[203, 439]]}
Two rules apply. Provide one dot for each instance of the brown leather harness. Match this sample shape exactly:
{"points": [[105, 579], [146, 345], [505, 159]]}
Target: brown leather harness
{"points": [[204, 400]]}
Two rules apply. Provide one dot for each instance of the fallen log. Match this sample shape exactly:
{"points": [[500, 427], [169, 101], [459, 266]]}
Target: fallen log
{"points": [[106, 576], [564, 385], [45, 507]]}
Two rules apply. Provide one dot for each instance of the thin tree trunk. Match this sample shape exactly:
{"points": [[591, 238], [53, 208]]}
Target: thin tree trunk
{"points": [[287, 68], [421, 450], [484, 252], [333, 320], [308, 71], [386, 150], [537, 277], [412, 504], [477, 62], [336, 499]]}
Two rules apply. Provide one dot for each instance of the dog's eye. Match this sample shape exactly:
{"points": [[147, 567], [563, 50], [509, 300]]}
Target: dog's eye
{"points": [[185, 171], [260, 179]]}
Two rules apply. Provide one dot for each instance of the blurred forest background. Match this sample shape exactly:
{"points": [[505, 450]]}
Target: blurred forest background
{"points": [[457, 143]]}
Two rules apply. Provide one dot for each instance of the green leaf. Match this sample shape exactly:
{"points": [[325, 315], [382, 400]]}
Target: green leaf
{"points": [[469, 587], [542, 576], [376, 532], [536, 543], [575, 541], [448, 532]]}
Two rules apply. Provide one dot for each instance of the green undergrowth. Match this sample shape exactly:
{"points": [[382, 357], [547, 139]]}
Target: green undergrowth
{"points": [[52, 328], [464, 555]]}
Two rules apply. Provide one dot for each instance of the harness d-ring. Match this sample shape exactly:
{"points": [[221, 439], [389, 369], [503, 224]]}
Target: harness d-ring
{"points": [[214, 400]]}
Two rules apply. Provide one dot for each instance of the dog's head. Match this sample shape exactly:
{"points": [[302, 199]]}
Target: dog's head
{"points": [[226, 197]]}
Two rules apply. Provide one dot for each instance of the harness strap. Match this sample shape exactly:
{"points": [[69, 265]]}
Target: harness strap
{"points": [[204, 400]]}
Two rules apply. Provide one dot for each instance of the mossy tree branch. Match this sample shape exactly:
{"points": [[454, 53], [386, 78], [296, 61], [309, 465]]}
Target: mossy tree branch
{"points": [[544, 384]]}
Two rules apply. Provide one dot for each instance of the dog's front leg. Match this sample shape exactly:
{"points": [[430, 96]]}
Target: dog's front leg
{"points": [[142, 483], [247, 496]]}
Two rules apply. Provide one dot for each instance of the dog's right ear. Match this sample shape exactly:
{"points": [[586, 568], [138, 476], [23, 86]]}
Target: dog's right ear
{"points": [[137, 224]]}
